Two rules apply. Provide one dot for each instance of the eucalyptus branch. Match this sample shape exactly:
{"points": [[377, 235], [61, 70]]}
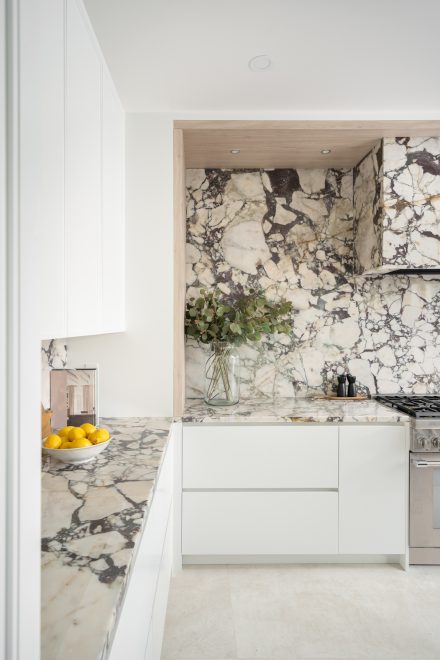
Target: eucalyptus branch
{"points": [[213, 318]]}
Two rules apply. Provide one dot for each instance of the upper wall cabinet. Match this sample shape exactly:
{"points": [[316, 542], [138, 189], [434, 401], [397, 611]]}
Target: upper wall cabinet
{"points": [[113, 200], [397, 208], [75, 145], [83, 178], [42, 154]]}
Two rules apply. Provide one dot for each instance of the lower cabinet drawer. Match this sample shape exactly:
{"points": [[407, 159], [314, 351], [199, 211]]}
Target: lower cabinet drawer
{"points": [[259, 523], [235, 457]]}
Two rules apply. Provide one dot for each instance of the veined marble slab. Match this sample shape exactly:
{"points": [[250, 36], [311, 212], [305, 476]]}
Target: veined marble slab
{"points": [[290, 234], [292, 410], [92, 518]]}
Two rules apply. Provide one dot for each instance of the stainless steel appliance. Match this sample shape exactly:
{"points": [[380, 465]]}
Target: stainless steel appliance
{"points": [[424, 478]]}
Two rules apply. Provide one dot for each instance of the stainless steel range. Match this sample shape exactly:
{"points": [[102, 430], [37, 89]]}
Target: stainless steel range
{"points": [[424, 488]]}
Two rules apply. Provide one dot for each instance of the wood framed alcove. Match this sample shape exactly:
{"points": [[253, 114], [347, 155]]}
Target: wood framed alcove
{"points": [[263, 144]]}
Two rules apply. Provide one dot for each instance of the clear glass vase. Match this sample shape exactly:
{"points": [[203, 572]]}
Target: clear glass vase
{"points": [[222, 375]]}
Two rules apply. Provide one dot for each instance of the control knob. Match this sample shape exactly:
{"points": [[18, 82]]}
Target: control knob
{"points": [[435, 443], [422, 443]]}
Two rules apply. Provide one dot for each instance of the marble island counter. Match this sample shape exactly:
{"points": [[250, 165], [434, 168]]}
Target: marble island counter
{"points": [[292, 410], [92, 518]]}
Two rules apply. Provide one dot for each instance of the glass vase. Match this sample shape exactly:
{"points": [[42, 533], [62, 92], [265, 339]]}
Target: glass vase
{"points": [[222, 376]]}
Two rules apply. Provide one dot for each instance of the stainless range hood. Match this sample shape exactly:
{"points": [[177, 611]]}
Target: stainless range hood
{"points": [[396, 198]]}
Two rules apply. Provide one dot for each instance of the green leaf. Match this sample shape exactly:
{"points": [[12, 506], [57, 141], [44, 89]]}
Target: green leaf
{"points": [[235, 328]]}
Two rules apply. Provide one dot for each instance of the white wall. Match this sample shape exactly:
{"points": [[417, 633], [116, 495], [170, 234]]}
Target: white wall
{"points": [[136, 367]]}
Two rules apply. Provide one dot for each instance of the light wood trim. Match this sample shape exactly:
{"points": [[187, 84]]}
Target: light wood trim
{"points": [[386, 128], [290, 144], [179, 273]]}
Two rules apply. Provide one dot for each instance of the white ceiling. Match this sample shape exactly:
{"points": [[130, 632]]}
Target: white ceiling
{"points": [[370, 57]]}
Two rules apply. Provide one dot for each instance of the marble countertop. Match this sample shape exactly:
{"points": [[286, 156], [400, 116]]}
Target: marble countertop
{"points": [[92, 517], [292, 410]]}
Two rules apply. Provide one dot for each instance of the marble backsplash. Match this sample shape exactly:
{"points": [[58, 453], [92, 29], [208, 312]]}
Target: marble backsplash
{"points": [[53, 355], [397, 206], [290, 233]]}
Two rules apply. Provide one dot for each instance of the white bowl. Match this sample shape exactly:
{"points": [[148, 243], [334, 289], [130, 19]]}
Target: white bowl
{"points": [[78, 455]]}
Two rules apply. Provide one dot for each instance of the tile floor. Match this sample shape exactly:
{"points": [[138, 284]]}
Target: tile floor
{"points": [[326, 612]]}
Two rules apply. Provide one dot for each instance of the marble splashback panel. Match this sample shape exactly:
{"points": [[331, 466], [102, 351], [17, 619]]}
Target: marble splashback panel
{"points": [[397, 206], [411, 199], [290, 233], [368, 207]]}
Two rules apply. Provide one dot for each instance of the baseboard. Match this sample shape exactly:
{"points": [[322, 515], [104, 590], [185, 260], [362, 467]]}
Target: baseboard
{"points": [[291, 559]]}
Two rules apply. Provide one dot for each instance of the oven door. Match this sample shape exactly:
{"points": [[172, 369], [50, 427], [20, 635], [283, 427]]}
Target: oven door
{"points": [[424, 518]]}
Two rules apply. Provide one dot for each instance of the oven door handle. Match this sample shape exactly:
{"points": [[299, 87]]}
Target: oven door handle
{"points": [[423, 464]]}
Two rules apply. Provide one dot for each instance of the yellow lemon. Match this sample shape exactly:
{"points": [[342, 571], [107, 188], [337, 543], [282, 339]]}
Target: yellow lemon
{"points": [[76, 434], [81, 442], [100, 435], [88, 428], [64, 432], [53, 441], [66, 445]]}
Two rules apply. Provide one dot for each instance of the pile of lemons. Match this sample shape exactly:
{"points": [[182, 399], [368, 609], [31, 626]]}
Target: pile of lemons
{"points": [[75, 437]]}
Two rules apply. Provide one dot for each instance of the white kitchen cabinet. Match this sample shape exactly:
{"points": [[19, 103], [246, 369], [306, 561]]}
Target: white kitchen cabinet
{"points": [[143, 612], [260, 523], [83, 177], [155, 637], [260, 456], [373, 478], [42, 154], [316, 489], [113, 200], [72, 149]]}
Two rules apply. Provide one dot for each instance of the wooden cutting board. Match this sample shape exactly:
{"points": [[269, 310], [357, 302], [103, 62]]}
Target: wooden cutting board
{"points": [[359, 397]]}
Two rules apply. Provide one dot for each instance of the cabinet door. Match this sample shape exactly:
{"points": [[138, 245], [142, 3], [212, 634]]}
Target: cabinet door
{"points": [[135, 622], [83, 177], [373, 477], [154, 646], [113, 227], [42, 154]]}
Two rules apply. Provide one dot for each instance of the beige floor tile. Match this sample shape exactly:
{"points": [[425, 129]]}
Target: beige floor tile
{"points": [[199, 624], [312, 612]]}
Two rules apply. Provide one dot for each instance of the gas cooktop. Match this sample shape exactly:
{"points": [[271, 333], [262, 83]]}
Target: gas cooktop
{"points": [[415, 405]]}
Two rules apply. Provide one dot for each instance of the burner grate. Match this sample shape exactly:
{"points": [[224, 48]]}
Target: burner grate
{"points": [[427, 405]]}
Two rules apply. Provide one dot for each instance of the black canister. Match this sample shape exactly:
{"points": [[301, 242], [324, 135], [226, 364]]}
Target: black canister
{"points": [[352, 390], [342, 387]]}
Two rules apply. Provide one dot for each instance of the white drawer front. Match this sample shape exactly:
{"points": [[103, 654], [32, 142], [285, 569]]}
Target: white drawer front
{"points": [[260, 456], [252, 523]]}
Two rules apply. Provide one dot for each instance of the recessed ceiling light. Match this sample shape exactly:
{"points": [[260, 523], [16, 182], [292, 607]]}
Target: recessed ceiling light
{"points": [[260, 63], [326, 151], [235, 151]]}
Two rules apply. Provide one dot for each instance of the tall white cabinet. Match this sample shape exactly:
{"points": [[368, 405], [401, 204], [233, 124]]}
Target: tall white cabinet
{"points": [[42, 154], [75, 147], [83, 177]]}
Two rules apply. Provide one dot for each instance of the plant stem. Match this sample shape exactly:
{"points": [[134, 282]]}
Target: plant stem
{"points": [[218, 366]]}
